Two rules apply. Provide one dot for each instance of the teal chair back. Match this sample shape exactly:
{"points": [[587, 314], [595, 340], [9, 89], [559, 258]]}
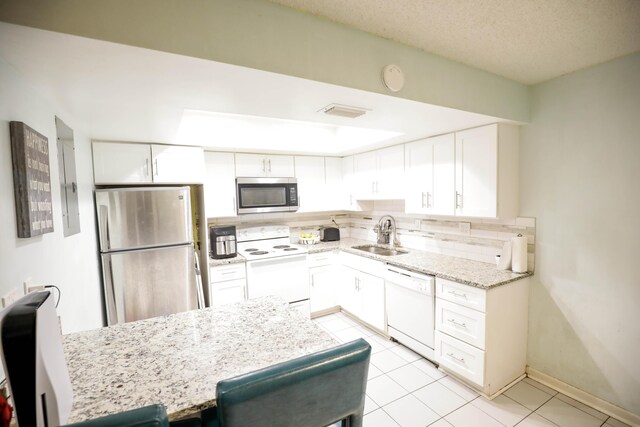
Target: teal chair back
{"points": [[313, 391]]}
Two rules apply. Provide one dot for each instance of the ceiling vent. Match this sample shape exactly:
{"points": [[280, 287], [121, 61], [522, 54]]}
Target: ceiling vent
{"points": [[344, 111]]}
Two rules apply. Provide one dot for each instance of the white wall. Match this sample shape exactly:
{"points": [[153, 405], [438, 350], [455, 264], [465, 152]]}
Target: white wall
{"points": [[580, 177], [71, 263]]}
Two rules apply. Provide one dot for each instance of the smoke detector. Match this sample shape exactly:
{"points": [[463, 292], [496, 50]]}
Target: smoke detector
{"points": [[343, 111], [393, 77]]}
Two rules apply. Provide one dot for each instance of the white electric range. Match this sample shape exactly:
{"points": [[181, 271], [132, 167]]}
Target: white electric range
{"points": [[275, 266]]}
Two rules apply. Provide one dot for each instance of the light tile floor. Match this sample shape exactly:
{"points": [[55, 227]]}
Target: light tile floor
{"points": [[406, 390]]}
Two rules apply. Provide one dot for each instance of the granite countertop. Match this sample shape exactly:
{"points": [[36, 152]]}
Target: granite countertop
{"points": [[472, 273], [177, 360], [235, 260]]}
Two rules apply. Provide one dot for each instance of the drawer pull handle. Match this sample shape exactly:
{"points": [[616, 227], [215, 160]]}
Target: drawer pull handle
{"points": [[458, 294], [459, 359], [463, 324], [224, 273]]}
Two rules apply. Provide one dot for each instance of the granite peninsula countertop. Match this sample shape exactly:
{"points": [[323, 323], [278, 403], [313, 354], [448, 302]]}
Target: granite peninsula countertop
{"points": [[472, 273], [177, 360]]}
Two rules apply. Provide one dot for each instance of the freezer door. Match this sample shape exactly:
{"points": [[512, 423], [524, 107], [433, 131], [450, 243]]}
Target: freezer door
{"points": [[149, 283], [131, 218]]}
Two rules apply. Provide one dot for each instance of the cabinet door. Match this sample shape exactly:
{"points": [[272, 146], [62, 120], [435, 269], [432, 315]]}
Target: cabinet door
{"points": [[371, 289], [251, 165], [219, 185], [419, 176], [177, 165], [333, 191], [309, 172], [365, 175], [323, 295], [350, 201], [476, 171], [228, 292], [120, 163], [442, 200], [389, 176], [280, 166], [348, 295]]}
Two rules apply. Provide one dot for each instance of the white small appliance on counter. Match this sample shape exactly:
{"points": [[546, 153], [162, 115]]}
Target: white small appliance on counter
{"points": [[275, 266], [34, 361]]}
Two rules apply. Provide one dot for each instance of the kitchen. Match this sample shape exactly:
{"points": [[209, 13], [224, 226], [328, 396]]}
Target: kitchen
{"points": [[582, 302]]}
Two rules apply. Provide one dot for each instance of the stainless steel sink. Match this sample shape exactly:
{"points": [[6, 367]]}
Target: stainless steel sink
{"points": [[379, 250]]}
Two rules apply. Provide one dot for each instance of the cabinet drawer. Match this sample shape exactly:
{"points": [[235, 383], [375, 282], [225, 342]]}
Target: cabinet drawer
{"points": [[360, 263], [462, 294], [224, 273], [460, 358], [461, 322], [320, 259]]}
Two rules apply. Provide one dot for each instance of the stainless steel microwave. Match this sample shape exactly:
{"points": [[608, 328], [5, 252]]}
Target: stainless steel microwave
{"points": [[260, 195]]}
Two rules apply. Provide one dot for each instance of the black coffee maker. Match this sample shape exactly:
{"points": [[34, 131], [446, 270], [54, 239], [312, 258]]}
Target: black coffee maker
{"points": [[222, 241]]}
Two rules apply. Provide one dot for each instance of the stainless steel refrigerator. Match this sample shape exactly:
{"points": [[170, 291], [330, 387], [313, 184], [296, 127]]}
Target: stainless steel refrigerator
{"points": [[146, 246]]}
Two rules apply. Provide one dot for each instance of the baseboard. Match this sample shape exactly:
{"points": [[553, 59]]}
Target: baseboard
{"points": [[325, 312], [584, 397]]}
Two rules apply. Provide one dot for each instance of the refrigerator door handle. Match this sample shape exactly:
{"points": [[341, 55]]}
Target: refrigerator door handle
{"points": [[105, 242], [199, 289], [113, 314]]}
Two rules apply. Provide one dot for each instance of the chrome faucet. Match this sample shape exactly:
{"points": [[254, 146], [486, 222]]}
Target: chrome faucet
{"points": [[385, 229]]}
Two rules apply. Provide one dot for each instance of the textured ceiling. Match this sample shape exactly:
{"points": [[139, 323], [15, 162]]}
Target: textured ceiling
{"points": [[529, 41]]}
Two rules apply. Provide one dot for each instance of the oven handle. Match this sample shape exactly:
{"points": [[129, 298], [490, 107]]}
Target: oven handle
{"points": [[287, 258]]}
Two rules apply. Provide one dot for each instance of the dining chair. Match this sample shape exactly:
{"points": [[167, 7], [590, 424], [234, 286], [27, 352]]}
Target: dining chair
{"points": [[147, 416], [316, 390]]}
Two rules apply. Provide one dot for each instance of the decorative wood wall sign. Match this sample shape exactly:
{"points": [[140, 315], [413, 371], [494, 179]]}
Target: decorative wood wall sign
{"points": [[31, 180]]}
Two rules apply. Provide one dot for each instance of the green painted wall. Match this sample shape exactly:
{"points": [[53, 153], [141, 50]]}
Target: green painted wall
{"points": [[579, 176], [266, 36]]}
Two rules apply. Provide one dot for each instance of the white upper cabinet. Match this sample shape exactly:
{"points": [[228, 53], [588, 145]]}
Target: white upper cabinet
{"points": [[430, 172], [261, 165], [121, 163], [129, 163], [349, 185], [379, 174], [219, 185], [177, 164], [486, 179], [319, 183], [312, 194], [334, 183]]}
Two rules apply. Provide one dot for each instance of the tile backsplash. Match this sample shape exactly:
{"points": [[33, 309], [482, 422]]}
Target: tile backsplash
{"points": [[443, 235]]}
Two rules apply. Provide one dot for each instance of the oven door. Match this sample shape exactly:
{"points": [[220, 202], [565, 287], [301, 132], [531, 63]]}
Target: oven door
{"points": [[261, 195], [286, 277]]}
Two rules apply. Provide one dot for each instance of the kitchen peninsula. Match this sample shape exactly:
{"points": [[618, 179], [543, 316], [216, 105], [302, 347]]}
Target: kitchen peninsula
{"points": [[177, 360]]}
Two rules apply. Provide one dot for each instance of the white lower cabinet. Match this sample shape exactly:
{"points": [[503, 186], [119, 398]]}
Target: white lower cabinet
{"points": [[360, 293], [227, 284], [322, 279], [481, 334]]}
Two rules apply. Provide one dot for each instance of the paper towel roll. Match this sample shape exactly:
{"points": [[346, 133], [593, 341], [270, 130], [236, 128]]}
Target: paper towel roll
{"points": [[519, 254]]}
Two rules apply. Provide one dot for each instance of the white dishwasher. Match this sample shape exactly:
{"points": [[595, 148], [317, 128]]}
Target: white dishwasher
{"points": [[410, 309]]}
